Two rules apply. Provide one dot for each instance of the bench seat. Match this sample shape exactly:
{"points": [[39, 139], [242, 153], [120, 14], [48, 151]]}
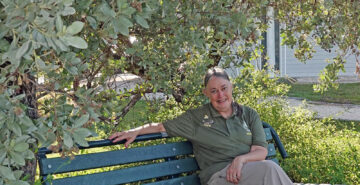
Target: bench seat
{"points": [[170, 163]]}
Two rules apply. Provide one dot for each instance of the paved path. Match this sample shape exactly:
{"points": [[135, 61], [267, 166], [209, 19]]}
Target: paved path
{"points": [[336, 110]]}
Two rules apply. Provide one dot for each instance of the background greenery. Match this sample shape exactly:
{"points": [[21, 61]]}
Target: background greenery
{"points": [[345, 93], [57, 59], [320, 150]]}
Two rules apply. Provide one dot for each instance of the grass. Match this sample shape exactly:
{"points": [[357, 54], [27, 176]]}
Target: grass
{"points": [[346, 93]]}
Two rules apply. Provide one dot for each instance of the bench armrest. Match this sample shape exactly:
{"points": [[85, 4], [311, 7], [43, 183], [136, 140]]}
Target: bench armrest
{"points": [[277, 140]]}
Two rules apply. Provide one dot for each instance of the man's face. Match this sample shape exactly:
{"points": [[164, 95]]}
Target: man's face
{"points": [[219, 91]]}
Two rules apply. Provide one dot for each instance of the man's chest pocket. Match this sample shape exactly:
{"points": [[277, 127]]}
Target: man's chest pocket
{"points": [[241, 135], [211, 136]]}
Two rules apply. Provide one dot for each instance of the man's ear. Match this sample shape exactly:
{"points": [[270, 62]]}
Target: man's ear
{"points": [[204, 91]]}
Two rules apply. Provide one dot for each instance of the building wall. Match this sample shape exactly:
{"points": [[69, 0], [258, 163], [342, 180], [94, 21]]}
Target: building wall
{"points": [[291, 66]]}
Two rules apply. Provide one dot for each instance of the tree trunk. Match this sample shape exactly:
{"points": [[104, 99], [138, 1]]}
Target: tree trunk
{"points": [[28, 88]]}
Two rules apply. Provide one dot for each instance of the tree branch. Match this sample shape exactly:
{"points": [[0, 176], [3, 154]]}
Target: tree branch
{"points": [[131, 104]]}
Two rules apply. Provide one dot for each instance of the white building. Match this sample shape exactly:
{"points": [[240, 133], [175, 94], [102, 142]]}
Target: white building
{"points": [[283, 59]]}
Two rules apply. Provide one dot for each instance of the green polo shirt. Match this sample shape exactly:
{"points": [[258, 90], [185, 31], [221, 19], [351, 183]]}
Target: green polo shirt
{"points": [[217, 141]]}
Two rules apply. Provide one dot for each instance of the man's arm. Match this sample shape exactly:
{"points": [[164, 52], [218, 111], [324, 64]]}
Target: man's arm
{"points": [[130, 135], [257, 153]]}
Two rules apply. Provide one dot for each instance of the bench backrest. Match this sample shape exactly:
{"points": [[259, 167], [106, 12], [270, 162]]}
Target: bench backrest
{"points": [[171, 163]]}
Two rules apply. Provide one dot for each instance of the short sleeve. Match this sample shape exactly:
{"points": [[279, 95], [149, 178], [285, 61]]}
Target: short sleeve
{"points": [[258, 134], [182, 126]]}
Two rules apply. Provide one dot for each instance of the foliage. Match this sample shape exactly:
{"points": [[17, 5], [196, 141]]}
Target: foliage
{"points": [[329, 24], [319, 152], [58, 58]]}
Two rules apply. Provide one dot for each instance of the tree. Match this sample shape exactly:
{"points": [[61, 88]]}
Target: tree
{"points": [[57, 54]]}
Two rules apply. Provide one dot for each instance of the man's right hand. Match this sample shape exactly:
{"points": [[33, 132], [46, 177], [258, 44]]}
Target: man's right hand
{"points": [[129, 135]]}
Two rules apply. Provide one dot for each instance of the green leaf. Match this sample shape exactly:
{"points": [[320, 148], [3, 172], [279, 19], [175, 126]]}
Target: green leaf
{"points": [[82, 132], [7, 173], [23, 49], [2, 155], [80, 140], [60, 44], [72, 70], [68, 140], [41, 64], [38, 182], [18, 174], [75, 28], [122, 25], [29, 154], [119, 28], [3, 30], [92, 22], [140, 20], [14, 127], [4, 45], [67, 2], [128, 11], [19, 182], [50, 42], [19, 159], [68, 11], [20, 96], [59, 23], [48, 139], [76, 42], [75, 61], [125, 21], [57, 86], [106, 10], [82, 120], [121, 4], [21, 147], [26, 121]]}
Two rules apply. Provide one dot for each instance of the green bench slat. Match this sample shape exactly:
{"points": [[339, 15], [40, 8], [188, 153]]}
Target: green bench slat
{"points": [[268, 135], [271, 150], [131, 174], [186, 180], [117, 157]]}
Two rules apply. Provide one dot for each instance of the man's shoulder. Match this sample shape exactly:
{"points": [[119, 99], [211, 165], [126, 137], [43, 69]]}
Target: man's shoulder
{"points": [[202, 109], [247, 108]]}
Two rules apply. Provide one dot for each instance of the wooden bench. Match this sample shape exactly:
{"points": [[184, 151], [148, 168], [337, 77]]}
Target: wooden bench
{"points": [[170, 163]]}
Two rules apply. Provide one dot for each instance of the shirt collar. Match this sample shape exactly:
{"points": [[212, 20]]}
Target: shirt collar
{"points": [[215, 113]]}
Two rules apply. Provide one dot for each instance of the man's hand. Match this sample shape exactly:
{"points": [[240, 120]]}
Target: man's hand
{"points": [[129, 135], [233, 173]]}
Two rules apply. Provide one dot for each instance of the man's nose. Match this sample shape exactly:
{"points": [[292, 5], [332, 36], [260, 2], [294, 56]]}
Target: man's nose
{"points": [[220, 94]]}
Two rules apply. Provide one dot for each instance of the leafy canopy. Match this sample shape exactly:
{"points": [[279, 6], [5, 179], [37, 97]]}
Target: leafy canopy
{"points": [[58, 59]]}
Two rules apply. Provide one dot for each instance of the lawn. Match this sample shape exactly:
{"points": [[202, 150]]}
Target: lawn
{"points": [[346, 93]]}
